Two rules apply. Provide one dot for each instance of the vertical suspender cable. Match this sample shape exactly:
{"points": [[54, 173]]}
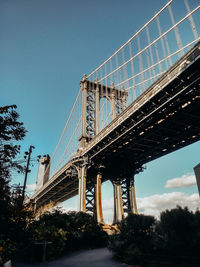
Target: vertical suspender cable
{"points": [[125, 68], [162, 42], [148, 64], [177, 35], [158, 58], [157, 14], [106, 84], [140, 64], [132, 71], [117, 65], [150, 49], [193, 26]]}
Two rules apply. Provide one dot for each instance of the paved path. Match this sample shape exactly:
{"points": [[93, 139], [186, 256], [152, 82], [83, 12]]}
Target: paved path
{"points": [[101, 257]]}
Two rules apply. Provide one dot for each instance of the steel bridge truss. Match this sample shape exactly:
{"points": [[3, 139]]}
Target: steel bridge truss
{"points": [[90, 195]]}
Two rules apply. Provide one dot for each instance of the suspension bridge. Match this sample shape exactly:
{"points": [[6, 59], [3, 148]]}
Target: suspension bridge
{"points": [[143, 102]]}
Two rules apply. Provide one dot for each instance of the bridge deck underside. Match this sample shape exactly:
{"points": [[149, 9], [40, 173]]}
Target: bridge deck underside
{"points": [[63, 188], [168, 121]]}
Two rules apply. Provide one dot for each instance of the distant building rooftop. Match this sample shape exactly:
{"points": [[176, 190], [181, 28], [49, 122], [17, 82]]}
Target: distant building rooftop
{"points": [[197, 174]]}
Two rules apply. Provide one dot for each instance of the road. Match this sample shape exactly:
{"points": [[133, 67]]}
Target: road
{"points": [[101, 257]]}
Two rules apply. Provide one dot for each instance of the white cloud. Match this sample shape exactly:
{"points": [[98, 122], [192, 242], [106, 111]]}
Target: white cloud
{"points": [[183, 181], [154, 204], [72, 206], [31, 187], [67, 209], [108, 210], [107, 204], [151, 205]]}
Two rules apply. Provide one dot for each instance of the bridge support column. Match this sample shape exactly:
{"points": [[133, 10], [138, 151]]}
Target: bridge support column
{"points": [[99, 212], [133, 203], [118, 204], [82, 189]]}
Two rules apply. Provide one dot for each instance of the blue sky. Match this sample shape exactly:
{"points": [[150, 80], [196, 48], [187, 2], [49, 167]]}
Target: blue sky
{"points": [[46, 46]]}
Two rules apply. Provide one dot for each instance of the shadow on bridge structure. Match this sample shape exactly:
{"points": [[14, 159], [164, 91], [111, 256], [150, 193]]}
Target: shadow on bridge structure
{"points": [[142, 103]]}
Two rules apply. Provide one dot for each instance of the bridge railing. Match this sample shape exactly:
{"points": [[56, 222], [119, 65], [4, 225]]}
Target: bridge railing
{"points": [[150, 52]]}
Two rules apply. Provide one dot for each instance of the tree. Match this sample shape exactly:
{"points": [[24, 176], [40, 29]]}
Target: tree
{"points": [[135, 238], [179, 231], [66, 231], [173, 240], [11, 130], [137, 231]]}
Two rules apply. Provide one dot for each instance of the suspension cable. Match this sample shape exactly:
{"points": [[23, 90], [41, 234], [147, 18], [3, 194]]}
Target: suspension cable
{"points": [[146, 24], [156, 40], [63, 131]]}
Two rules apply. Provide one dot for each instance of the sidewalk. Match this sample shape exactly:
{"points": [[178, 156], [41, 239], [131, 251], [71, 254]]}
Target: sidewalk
{"points": [[89, 258]]}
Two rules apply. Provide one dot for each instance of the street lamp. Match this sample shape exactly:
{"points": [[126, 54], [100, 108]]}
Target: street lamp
{"points": [[26, 170]]}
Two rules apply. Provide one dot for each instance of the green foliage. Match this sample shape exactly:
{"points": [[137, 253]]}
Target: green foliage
{"points": [[66, 232], [11, 130], [137, 229], [9, 249], [179, 230], [135, 237], [13, 223], [4, 206], [13, 216], [175, 238], [49, 227]]}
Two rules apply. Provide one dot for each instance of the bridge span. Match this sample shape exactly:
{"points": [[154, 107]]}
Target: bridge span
{"points": [[162, 119]]}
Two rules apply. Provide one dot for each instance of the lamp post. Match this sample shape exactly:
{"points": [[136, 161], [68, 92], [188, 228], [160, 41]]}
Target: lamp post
{"points": [[26, 171]]}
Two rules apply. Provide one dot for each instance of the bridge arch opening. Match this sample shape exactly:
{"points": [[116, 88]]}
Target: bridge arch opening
{"points": [[107, 202]]}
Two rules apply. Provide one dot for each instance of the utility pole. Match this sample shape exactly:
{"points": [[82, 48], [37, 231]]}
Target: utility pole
{"points": [[26, 171]]}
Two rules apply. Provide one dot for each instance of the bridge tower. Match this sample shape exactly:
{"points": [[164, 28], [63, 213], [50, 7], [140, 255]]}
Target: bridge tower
{"points": [[92, 92], [90, 187]]}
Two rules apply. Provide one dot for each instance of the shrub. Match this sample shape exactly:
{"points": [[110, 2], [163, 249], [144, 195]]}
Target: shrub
{"points": [[66, 232], [179, 231], [9, 249], [135, 237], [175, 239]]}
